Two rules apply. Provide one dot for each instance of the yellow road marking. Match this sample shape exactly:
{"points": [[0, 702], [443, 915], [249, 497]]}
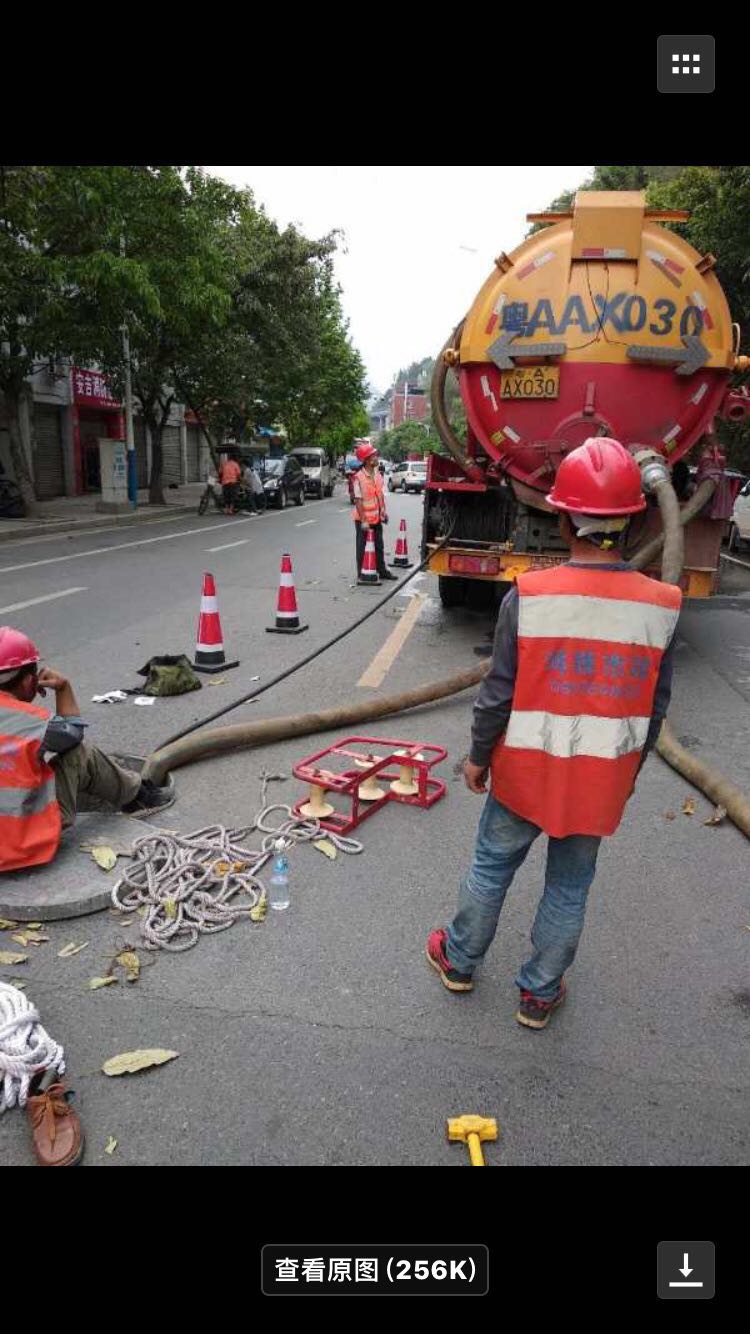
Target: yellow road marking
{"points": [[386, 656]]}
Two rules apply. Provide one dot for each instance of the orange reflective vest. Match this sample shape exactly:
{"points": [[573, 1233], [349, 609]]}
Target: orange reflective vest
{"points": [[370, 491], [590, 643], [30, 820]]}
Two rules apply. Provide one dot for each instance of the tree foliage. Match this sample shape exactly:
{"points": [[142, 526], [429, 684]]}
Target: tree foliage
{"points": [[240, 320]]}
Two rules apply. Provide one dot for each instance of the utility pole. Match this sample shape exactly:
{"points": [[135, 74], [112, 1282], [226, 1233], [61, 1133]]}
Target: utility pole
{"points": [[129, 433]]}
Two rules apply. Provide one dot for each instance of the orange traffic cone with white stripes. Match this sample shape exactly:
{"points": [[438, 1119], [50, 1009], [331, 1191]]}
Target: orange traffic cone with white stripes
{"points": [[369, 572], [209, 648], [401, 557], [287, 615]]}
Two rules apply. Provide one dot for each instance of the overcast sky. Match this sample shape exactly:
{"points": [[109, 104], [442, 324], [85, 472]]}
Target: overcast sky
{"points": [[418, 241]]}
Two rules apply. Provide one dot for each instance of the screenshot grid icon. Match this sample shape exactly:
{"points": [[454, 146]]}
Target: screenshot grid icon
{"points": [[686, 63]]}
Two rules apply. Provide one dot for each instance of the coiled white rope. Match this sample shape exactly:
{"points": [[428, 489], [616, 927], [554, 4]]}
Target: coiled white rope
{"points": [[187, 883], [25, 1047]]}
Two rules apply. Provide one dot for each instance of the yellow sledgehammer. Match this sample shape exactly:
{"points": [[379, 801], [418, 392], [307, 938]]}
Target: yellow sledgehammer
{"points": [[472, 1130]]}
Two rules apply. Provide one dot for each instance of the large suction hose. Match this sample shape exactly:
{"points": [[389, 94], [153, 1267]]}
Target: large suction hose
{"points": [[248, 735], [708, 780], [440, 420]]}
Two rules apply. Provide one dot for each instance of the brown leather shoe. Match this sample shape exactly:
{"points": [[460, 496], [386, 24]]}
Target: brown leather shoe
{"points": [[55, 1128]]}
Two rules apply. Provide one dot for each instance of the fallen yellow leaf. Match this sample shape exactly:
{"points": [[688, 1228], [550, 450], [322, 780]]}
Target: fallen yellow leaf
{"points": [[7, 956], [258, 913], [33, 926], [325, 846], [104, 857], [717, 817], [21, 985], [68, 951], [111, 1145], [128, 1062], [170, 908], [6, 925], [97, 982], [128, 959], [688, 806], [29, 938]]}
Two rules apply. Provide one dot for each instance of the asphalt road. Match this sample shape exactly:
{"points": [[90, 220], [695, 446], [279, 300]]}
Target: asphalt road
{"points": [[322, 1037]]}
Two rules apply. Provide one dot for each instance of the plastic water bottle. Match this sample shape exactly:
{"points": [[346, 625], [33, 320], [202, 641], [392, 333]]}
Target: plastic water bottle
{"points": [[279, 891]]}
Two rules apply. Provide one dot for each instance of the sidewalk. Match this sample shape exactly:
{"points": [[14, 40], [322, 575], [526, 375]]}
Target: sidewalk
{"points": [[79, 513]]}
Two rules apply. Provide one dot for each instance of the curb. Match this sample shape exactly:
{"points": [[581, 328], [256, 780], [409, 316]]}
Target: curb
{"points": [[61, 527]]}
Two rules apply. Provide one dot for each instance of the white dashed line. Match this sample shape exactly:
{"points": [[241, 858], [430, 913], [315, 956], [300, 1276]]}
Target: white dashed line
{"points": [[34, 602]]}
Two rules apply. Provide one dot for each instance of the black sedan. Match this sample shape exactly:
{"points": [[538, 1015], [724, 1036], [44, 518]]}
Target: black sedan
{"points": [[283, 480]]}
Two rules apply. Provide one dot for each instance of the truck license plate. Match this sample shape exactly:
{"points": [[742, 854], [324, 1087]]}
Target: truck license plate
{"points": [[530, 382]]}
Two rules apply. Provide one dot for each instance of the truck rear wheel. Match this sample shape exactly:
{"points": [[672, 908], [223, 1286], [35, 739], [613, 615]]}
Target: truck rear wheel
{"points": [[452, 591]]}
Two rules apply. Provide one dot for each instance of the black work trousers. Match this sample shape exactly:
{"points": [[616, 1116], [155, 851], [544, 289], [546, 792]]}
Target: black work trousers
{"points": [[377, 532]]}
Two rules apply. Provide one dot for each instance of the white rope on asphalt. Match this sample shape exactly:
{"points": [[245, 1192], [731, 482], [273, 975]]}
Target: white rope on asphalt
{"points": [[25, 1047], [186, 884]]}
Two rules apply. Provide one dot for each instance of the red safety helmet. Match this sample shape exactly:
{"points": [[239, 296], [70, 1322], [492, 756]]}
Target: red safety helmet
{"points": [[16, 650], [599, 477], [365, 452]]}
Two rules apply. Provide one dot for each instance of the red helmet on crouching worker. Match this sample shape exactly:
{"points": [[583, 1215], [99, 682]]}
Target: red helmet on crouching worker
{"points": [[16, 651], [365, 452], [599, 477]]}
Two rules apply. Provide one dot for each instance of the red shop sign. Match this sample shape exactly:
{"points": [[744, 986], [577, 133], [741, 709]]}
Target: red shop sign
{"points": [[91, 389]]}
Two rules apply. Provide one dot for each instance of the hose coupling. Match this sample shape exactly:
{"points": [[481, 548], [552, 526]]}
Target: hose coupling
{"points": [[654, 470], [451, 356]]}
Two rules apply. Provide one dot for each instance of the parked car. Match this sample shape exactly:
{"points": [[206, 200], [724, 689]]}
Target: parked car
{"points": [[320, 475], [283, 480], [409, 476], [739, 531]]}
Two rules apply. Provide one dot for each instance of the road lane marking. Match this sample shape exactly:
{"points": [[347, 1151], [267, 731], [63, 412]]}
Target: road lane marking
{"points": [[60, 533], [386, 656], [120, 546], [306, 522], [734, 560], [34, 602], [227, 545]]}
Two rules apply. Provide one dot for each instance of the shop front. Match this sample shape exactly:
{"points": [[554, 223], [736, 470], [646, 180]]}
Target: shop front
{"points": [[95, 412]]}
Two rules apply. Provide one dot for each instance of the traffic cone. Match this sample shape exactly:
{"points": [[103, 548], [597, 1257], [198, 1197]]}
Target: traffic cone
{"points": [[209, 649], [401, 557], [369, 572], [287, 615]]}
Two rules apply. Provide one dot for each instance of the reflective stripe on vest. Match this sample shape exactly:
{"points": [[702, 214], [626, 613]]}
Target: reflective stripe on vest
{"points": [[590, 644], [370, 490], [30, 820]]}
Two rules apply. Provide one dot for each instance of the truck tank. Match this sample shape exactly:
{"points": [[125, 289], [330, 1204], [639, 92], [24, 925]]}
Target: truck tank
{"points": [[600, 323]]}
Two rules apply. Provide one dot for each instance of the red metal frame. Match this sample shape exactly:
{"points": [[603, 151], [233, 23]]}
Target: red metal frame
{"points": [[347, 784]]}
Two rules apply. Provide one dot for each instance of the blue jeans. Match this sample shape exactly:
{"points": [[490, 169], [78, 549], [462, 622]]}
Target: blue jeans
{"points": [[503, 841]]}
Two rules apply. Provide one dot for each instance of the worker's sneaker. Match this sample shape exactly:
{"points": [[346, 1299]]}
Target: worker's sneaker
{"points": [[436, 956], [56, 1132], [149, 797], [535, 1013]]}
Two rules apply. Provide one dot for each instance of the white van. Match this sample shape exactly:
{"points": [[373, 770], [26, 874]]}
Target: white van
{"points": [[320, 474]]}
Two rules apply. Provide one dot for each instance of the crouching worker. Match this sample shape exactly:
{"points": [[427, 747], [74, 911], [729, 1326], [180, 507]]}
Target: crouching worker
{"points": [[39, 798]]}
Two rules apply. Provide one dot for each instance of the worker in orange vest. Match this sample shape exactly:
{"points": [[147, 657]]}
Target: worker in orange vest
{"points": [[39, 798], [229, 477], [369, 511], [579, 684]]}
